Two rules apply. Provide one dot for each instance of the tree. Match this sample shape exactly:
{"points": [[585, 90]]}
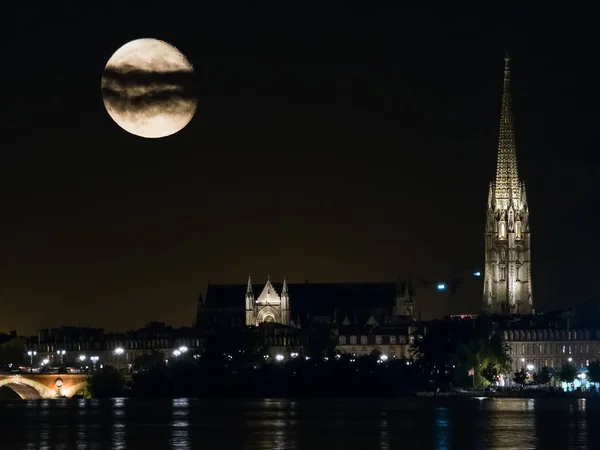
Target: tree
{"points": [[146, 362], [594, 372], [457, 346], [542, 377], [567, 373], [245, 347], [491, 372], [320, 342], [521, 377], [106, 382]]}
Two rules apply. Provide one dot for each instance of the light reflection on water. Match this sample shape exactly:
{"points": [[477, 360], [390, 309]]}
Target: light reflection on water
{"points": [[119, 431], [180, 437], [442, 430], [186, 424], [384, 439]]}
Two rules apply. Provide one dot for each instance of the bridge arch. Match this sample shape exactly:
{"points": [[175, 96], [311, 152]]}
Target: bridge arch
{"points": [[27, 389]]}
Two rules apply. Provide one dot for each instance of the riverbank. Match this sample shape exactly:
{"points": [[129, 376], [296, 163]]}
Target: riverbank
{"points": [[526, 393]]}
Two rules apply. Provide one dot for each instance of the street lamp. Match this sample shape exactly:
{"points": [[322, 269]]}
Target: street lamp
{"points": [[183, 349], [176, 353], [31, 355], [570, 359], [530, 367], [118, 351], [61, 353], [94, 361], [82, 358]]}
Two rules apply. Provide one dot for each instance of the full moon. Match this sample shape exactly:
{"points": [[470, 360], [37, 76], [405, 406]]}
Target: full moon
{"points": [[147, 88]]}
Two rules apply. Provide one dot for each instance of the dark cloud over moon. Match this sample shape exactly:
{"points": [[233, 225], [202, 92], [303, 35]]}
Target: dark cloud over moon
{"points": [[147, 88]]}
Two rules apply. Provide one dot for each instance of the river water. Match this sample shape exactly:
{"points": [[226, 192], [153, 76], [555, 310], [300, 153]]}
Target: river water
{"points": [[349, 424]]}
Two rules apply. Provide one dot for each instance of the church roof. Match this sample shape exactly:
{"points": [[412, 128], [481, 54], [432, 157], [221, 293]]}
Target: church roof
{"points": [[356, 301]]}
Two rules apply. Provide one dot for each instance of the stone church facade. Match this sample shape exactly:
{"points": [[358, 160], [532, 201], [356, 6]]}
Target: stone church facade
{"points": [[269, 306]]}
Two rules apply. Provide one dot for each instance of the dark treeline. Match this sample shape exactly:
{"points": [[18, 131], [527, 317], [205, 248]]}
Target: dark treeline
{"points": [[234, 364], [448, 354], [364, 376]]}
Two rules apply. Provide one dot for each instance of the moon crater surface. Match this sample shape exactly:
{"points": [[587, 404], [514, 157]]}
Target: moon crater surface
{"points": [[147, 88]]}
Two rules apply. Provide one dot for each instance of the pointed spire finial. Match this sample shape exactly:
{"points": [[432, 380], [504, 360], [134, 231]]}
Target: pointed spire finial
{"points": [[507, 174], [284, 288]]}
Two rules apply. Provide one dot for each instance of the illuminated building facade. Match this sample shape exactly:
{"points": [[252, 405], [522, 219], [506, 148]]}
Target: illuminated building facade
{"points": [[507, 283], [269, 306]]}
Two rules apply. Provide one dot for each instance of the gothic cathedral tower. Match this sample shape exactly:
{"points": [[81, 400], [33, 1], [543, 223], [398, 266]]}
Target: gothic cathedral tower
{"points": [[507, 284]]}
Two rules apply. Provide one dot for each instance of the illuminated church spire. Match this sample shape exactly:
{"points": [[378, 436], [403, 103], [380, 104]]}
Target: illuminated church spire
{"points": [[507, 173], [507, 283]]}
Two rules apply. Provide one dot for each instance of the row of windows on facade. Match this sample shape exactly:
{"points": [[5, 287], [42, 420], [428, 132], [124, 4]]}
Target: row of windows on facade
{"points": [[392, 340], [391, 352], [550, 363], [108, 357], [549, 349], [547, 335], [104, 356], [112, 345]]}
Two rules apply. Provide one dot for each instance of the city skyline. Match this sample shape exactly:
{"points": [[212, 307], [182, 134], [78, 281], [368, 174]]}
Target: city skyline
{"points": [[344, 154]]}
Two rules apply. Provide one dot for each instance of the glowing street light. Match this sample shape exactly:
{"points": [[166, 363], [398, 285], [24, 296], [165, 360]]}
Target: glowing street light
{"points": [[530, 367], [441, 286], [383, 357], [31, 355], [82, 358], [61, 353], [176, 353], [570, 359], [279, 358], [119, 351], [183, 349]]}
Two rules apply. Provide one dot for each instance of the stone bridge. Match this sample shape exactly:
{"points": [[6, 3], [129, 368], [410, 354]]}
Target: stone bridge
{"points": [[47, 385]]}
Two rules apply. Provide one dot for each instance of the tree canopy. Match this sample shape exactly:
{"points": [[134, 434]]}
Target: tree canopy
{"points": [[455, 351]]}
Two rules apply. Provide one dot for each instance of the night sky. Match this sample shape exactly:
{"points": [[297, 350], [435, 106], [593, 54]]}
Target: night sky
{"points": [[356, 146]]}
